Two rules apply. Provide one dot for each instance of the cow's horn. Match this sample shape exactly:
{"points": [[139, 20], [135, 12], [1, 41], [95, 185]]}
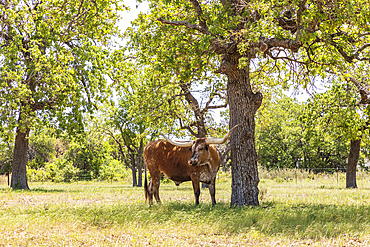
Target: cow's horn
{"points": [[214, 140], [184, 144]]}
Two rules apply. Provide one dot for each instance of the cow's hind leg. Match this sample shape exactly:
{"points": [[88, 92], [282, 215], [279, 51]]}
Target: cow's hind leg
{"points": [[196, 189], [150, 192], [147, 190], [212, 190]]}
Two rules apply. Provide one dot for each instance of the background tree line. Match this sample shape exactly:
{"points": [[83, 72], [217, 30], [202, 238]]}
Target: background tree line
{"points": [[289, 135], [111, 146]]}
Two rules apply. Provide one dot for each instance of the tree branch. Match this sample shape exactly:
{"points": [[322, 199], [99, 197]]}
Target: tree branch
{"points": [[285, 58], [185, 127], [87, 91], [186, 24], [207, 107], [199, 115], [192, 101], [199, 12], [356, 55], [301, 9], [264, 44], [364, 92], [40, 105], [347, 57]]}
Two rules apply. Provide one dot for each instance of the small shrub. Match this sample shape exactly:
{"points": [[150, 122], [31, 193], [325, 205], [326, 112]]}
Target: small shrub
{"points": [[53, 173], [67, 171], [38, 175], [114, 170], [59, 171]]}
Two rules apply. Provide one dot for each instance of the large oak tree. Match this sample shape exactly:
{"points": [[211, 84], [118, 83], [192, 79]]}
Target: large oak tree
{"points": [[292, 40], [51, 66]]}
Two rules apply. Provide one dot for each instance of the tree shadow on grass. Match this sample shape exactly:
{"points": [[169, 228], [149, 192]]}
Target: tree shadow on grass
{"points": [[324, 187], [313, 221], [178, 188], [299, 221], [41, 190], [44, 190]]}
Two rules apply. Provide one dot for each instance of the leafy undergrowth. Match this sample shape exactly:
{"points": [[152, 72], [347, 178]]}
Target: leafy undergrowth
{"points": [[308, 213]]}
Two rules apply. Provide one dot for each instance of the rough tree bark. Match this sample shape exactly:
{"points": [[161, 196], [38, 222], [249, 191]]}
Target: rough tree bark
{"points": [[243, 104], [354, 154], [19, 174]]}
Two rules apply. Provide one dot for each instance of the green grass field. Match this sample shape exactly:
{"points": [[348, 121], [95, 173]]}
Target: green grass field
{"points": [[313, 211]]}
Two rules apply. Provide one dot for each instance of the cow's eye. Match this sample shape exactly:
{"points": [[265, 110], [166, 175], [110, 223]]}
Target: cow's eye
{"points": [[190, 149]]}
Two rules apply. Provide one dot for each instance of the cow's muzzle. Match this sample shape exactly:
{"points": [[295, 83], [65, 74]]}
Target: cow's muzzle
{"points": [[194, 159], [193, 162]]}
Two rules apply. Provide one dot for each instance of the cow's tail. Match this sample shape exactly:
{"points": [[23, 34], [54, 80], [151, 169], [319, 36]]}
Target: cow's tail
{"points": [[146, 190]]}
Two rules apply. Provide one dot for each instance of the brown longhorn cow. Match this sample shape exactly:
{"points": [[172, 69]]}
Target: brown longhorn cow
{"points": [[196, 161]]}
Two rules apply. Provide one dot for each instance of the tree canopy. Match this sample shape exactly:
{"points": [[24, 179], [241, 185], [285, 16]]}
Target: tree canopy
{"points": [[52, 65], [286, 138]]}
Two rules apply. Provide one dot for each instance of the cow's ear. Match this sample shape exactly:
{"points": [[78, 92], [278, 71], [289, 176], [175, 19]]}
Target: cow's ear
{"points": [[206, 147]]}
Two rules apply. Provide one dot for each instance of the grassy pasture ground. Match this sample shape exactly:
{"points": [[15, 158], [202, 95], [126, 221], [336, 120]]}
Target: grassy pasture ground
{"points": [[313, 211]]}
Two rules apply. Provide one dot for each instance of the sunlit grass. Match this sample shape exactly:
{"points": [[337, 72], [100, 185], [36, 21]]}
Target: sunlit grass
{"points": [[314, 210]]}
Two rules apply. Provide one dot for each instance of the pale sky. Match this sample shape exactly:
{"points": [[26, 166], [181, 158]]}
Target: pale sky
{"points": [[135, 9]]}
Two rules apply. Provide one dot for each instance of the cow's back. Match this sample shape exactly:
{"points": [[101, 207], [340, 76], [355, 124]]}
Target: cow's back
{"points": [[162, 156]]}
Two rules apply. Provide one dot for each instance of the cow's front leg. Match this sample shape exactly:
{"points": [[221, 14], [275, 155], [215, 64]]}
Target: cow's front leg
{"points": [[212, 190], [154, 185], [196, 189]]}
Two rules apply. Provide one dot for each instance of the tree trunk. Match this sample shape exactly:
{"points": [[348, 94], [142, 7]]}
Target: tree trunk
{"points": [[134, 180], [19, 172], [224, 156], [243, 104], [140, 162], [133, 170], [354, 154], [140, 171]]}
